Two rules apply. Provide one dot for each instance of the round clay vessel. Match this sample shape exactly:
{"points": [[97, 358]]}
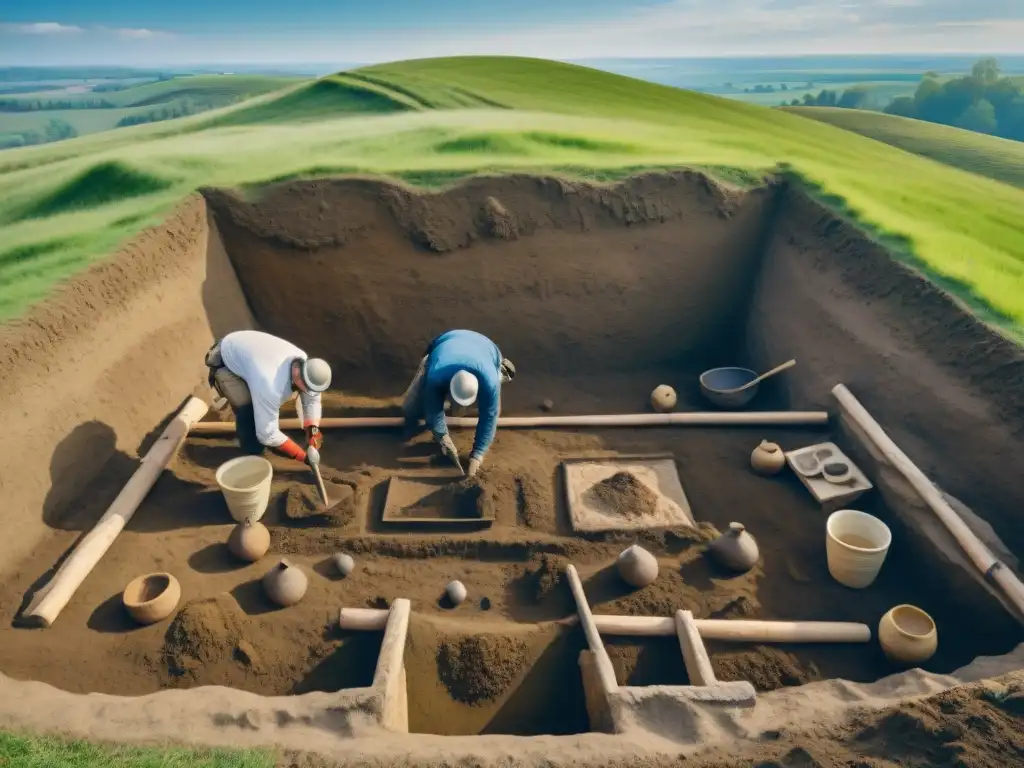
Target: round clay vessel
{"points": [[836, 472], [249, 541], [344, 563], [735, 549], [285, 583], [767, 459], [907, 635], [637, 566], [151, 598], [663, 398], [456, 592]]}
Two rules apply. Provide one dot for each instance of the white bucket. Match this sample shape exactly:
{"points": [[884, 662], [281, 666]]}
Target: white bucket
{"points": [[856, 545], [245, 483]]}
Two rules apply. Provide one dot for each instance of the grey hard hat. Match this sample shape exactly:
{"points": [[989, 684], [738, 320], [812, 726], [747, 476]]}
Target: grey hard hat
{"points": [[316, 373]]}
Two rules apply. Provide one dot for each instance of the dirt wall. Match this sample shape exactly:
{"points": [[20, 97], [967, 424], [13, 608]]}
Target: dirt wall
{"points": [[366, 273], [88, 375], [947, 389]]}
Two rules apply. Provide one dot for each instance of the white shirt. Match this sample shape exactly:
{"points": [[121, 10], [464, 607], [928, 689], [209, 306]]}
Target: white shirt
{"points": [[264, 362]]}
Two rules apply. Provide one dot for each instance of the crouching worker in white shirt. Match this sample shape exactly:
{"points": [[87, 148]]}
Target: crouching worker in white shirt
{"points": [[258, 373]]}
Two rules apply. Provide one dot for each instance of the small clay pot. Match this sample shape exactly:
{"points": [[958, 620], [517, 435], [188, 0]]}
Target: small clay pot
{"points": [[152, 597], [285, 583], [908, 635], [663, 398], [735, 549], [767, 459], [344, 563], [249, 541], [637, 566], [837, 472], [456, 592]]}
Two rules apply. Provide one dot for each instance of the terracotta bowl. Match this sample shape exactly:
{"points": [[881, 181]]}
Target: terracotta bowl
{"points": [[151, 597]]}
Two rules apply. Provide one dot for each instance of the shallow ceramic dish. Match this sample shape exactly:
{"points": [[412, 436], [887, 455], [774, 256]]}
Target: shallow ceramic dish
{"points": [[807, 465], [837, 472]]}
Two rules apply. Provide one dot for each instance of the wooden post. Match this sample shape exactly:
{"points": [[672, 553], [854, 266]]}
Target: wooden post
{"points": [[51, 599], [695, 655], [605, 670], [990, 566], [739, 630]]}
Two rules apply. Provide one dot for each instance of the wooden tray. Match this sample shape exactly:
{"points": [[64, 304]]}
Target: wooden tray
{"points": [[830, 496], [409, 502]]}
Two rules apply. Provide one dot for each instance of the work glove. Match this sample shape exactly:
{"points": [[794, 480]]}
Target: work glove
{"points": [[449, 450], [314, 437], [312, 456], [474, 467], [507, 370]]}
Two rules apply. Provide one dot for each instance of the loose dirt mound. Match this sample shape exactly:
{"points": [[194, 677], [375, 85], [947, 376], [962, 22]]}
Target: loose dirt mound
{"points": [[302, 503], [206, 638], [480, 667], [625, 495], [765, 668]]}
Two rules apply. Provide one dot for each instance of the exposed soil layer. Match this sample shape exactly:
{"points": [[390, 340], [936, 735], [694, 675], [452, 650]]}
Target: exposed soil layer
{"points": [[597, 295], [624, 494]]}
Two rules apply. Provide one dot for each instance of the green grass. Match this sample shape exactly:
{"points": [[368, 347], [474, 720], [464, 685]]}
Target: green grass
{"points": [[30, 751], [433, 121], [999, 159], [218, 90]]}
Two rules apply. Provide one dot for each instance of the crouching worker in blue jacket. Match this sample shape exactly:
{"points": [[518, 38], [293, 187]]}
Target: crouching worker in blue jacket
{"points": [[469, 368]]}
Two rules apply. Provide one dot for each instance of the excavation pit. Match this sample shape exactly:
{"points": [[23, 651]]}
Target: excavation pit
{"points": [[605, 293]]}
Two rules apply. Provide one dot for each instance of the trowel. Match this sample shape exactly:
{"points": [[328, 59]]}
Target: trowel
{"points": [[315, 466]]}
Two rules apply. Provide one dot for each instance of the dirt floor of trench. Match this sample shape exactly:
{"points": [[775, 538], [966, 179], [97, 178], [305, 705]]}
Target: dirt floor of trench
{"points": [[630, 321], [226, 633]]}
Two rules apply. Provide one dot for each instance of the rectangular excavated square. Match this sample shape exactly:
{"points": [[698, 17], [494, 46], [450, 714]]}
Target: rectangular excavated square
{"points": [[429, 501], [625, 493]]}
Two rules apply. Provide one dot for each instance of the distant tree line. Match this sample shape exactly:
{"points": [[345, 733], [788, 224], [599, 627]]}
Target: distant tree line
{"points": [[982, 101], [55, 130], [186, 108], [39, 105], [857, 97]]}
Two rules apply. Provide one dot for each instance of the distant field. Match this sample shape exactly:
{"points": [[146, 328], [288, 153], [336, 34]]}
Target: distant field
{"points": [[999, 159], [195, 93], [431, 121]]}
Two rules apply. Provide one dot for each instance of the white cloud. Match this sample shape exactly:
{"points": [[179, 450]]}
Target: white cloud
{"points": [[40, 28], [129, 33]]}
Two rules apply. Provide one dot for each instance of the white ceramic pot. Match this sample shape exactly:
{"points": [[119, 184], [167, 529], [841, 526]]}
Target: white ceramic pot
{"points": [[245, 483], [908, 635], [856, 545]]}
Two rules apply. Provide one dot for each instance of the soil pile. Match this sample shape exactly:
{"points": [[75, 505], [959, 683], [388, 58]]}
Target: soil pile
{"points": [[206, 636], [302, 504], [479, 668], [765, 668], [625, 495], [461, 499]]}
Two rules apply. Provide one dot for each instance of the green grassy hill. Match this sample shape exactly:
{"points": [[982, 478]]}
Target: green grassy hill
{"points": [[430, 121], [999, 159], [193, 91]]}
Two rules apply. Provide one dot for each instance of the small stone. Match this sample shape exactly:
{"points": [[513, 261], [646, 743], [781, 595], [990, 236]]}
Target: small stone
{"points": [[344, 563], [547, 405], [456, 591], [637, 566]]}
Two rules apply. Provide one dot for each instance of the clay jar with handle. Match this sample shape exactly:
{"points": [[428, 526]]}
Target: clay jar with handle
{"points": [[907, 635], [285, 583], [735, 549], [767, 459]]}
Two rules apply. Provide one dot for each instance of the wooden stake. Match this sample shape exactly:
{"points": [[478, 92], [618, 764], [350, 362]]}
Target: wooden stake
{"points": [[692, 418], [990, 566], [605, 670], [51, 599]]}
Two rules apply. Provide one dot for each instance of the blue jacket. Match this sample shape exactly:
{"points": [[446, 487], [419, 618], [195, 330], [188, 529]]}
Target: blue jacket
{"points": [[449, 353]]}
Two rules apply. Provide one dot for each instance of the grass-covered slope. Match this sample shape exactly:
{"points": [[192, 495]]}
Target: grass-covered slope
{"points": [[433, 120], [192, 92], [1000, 159]]}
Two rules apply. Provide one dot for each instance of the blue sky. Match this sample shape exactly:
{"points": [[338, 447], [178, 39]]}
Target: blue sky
{"points": [[275, 32]]}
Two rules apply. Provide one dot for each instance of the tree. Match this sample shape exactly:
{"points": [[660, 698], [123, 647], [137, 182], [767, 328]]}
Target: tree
{"points": [[980, 117], [854, 98], [986, 70], [903, 106]]}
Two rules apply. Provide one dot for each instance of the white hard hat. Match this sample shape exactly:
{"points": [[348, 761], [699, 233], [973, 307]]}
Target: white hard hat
{"points": [[464, 387], [316, 374]]}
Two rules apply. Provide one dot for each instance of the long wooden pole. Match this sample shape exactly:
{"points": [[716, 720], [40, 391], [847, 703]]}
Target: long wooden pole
{"points": [[986, 562], [51, 599], [605, 670], [694, 418], [732, 630]]}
